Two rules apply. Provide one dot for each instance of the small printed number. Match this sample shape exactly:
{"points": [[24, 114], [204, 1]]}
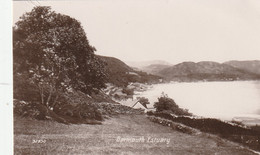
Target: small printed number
{"points": [[39, 141]]}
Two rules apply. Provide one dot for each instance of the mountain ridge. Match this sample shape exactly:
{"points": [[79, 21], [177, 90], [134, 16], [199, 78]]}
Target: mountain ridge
{"points": [[120, 74], [141, 64], [249, 65], [208, 70]]}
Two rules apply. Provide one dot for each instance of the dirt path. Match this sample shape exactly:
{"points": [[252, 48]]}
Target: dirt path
{"points": [[119, 135]]}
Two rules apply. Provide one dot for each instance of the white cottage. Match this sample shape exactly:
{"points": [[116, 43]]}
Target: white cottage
{"points": [[138, 105]]}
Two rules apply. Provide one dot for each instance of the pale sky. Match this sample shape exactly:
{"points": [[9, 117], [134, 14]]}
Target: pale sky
{"points": [[170, 30]]}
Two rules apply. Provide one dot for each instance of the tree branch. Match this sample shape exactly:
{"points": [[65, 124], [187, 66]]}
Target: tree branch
{"points": [[49, 97], [55, 100]]}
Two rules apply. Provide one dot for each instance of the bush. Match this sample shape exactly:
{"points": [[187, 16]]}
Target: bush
{"points": [[167, 104], [81, 112], [24, 90], [79, 106], [71, 108]]}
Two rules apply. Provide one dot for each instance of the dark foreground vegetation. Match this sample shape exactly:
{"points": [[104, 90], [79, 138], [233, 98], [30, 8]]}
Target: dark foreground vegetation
{"points": [[87, 113], [56, 73]]}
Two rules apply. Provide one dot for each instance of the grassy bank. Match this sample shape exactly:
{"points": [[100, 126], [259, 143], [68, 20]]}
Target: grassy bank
{"points": [[48, 137]]}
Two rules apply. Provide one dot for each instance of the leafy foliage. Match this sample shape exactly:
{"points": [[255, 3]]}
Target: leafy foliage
{"points": [[144, 101], [52, 52], [166, 104]]}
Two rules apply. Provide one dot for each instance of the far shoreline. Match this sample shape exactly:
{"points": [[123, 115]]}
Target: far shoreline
{"points": [[246, 119]]}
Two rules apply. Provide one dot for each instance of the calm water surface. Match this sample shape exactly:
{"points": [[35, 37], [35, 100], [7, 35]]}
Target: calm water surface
{"points": [[224, 100]]}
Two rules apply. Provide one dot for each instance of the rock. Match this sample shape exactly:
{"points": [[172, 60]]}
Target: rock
{"points": [[173, 125]]}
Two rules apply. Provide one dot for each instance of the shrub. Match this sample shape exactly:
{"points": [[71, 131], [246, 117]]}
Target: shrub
{"points": [[24, 90], [167, 104], [72, 108], [78, 105]]}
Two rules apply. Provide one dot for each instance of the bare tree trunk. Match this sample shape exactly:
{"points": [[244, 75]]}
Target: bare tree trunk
{"points": [[49, 97], [55, 100], [41, 94]]}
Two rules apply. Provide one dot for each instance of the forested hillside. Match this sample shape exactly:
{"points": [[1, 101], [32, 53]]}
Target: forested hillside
{"points": [[252, 66], [205, 70], [120, 74]]}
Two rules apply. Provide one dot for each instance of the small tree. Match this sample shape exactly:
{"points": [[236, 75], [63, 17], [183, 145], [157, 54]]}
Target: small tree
{"points": [[167, 104]]}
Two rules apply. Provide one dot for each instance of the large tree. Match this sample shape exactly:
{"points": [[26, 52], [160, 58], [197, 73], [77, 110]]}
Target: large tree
{"points": [[52, 52]]}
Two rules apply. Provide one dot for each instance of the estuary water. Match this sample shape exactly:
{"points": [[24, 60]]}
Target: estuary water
{"points": [[224, 100]]}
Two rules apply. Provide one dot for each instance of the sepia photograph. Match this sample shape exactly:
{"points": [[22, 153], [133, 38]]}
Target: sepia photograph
{"points": [[135, 77]]}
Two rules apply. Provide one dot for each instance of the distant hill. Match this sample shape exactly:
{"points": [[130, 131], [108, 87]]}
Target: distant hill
{"points": [[250, 66], [121, 74], [205, 70], [154, 68], [142, 64]]}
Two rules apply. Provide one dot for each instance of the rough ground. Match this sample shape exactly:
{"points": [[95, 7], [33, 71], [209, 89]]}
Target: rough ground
{"points": [[46, 137]]}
